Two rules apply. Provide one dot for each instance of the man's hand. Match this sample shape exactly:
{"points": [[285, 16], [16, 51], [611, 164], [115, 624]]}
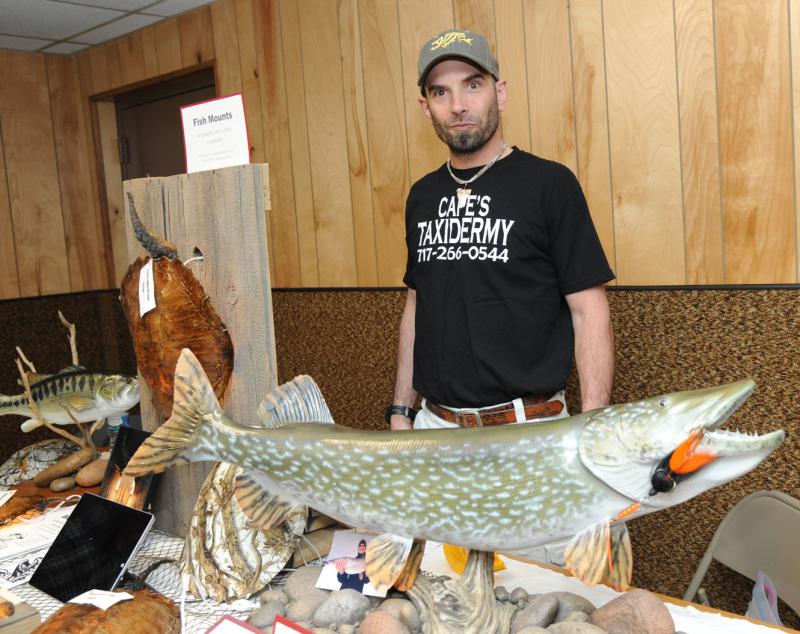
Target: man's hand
{"points": [[400, 423]]}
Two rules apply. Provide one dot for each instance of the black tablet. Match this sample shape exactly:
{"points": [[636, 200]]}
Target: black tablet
{"points": [[92, 549]]}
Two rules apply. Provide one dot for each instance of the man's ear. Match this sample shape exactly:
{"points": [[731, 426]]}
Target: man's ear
{"points": [[423, 103], [501, 87]]}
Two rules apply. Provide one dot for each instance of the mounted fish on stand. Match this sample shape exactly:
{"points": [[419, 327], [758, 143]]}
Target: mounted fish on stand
{"points": [[71, 396], [507, 488], [167, 310]]}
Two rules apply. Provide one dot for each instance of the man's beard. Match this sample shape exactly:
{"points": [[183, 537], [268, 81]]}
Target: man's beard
{"points": [[468, 142]]}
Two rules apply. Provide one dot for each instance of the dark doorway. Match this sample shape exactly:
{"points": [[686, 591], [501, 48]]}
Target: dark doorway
{"points": [[149, 124]]}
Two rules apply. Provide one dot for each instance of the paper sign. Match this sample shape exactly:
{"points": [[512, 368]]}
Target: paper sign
{"points": [[102, 599], [230, 625], [215, 134], [285, 626], [147, 289]]}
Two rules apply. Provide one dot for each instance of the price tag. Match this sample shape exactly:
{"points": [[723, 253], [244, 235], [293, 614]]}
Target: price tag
{"points": [[147, 289], [102, 599]]}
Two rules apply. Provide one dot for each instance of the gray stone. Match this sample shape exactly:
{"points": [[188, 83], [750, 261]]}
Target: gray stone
{"points": [[517, 595], [633, 612], [500, 593], [382, 623], [264, 616], [273, 595], [533, 630], [302, 581], [569, 602], [323, 630], [540, 613], [404, 611], [577, 617], [342, 606], [303, 608], [571, 627], [346, 628]]}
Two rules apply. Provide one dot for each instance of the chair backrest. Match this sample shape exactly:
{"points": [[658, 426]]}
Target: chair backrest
{"points": [[761, 533]]}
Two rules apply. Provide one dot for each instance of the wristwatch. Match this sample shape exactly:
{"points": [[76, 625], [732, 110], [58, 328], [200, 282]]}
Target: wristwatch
{"points": [[408, 412]]}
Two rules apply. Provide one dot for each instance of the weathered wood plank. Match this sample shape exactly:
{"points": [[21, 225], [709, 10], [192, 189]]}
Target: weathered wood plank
{"points": [[645, 141], [83, 224], [228, 71], [168, 46], [221, 212], [697, 95], [197, 38], [591, 117], [384, 93]]}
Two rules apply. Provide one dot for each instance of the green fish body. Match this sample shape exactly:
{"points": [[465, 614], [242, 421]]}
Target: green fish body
{"points": [[506, 488], [87, 396]]}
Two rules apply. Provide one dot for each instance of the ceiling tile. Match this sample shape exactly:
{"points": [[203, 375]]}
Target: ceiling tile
{"points": [[64, 48], [22, 43], [174, 7], [120, 5], [115, 29], [24, 18]]}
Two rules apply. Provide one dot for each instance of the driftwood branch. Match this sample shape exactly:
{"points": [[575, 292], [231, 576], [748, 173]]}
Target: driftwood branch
{"points": [[37, 413], [25, 359], [73, 345]]}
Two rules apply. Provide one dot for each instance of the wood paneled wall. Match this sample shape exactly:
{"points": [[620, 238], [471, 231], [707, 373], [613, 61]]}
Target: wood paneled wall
{"points": [[678, 116]]}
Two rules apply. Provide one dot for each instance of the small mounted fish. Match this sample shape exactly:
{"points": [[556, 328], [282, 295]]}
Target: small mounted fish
{"points": [[183, 317], [88, 396]]}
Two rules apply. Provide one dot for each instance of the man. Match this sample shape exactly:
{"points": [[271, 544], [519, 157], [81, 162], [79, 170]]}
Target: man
{"points": [[354, 580], [505, 270]]}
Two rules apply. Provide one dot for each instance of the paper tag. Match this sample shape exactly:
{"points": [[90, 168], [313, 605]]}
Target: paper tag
{"points": [[102, 599], [147, 289], [283, 625]]}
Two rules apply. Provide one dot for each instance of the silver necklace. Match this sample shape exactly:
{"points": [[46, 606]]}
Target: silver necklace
{"points": [[463, 192]]}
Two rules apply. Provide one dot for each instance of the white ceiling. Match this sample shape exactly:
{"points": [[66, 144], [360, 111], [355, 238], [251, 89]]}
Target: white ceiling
{"points": [[65, 26]]}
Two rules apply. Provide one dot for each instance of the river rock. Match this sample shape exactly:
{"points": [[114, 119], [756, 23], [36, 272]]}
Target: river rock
{"points": [[500, 593], [633, 612], [91, 474], [404, 611], [302, 581], [264, 617], [382, 623], [533, 630], [303, 608], [569, 602], [273, 595], [62, 484], [570, 627], [342, 606], [577, 617], [540, 613], [517, 595]]}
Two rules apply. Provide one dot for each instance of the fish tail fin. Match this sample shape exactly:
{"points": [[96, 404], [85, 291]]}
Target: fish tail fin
{"points": [[601, 553], [194, 404]]}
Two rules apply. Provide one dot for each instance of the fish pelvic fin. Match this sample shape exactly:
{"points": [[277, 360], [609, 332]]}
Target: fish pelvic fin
{"points": [[408, 576], [298, 401], [265, 509], [386, 557], [194, 404], [30, 425], [601, 553]]}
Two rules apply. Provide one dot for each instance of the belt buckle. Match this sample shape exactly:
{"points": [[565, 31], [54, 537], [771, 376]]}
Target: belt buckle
{"points": [[472, 412]]}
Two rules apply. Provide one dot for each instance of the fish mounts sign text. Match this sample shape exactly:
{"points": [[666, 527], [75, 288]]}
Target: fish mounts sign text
{"points": [[215, 134]]}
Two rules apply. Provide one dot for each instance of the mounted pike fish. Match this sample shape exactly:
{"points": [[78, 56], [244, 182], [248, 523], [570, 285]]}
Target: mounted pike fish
{"points": [[183, 318], [88, 396], [506, 488]]}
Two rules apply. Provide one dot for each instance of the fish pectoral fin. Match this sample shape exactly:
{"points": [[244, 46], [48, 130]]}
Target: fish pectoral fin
{"points": [[30, 425], [408, 575], [621, 559], [266, 509], [297, 401], [387, 555], [601, 553], [78, 403]]}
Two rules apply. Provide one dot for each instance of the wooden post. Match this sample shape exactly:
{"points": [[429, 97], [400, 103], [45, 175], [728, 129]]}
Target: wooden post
{"points": [[221, 213]]}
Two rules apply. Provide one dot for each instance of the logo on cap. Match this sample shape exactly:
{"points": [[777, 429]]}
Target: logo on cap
{"points": [[448, 38]]}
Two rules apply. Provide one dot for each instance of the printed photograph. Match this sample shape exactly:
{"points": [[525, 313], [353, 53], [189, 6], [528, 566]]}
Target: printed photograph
{"points": [[346, 566]]}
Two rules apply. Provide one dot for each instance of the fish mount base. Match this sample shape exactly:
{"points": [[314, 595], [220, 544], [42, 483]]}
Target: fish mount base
{"points": [[468, 604]]}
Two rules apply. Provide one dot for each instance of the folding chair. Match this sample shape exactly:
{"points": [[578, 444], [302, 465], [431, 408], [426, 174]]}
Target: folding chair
{"points": [[760, 533]]}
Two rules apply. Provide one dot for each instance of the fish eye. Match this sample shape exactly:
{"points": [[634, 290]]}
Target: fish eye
{"points": [[662, 402]]}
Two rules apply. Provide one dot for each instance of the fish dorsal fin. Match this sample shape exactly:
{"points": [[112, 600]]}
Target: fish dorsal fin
{"points": [[34, 378], [601, 552], [298, 401], [72, 368], [266, 509], [194, 404], [387, 555]]}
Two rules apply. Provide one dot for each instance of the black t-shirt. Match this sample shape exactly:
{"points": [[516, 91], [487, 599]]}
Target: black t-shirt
{"points": [[491, 273]]}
